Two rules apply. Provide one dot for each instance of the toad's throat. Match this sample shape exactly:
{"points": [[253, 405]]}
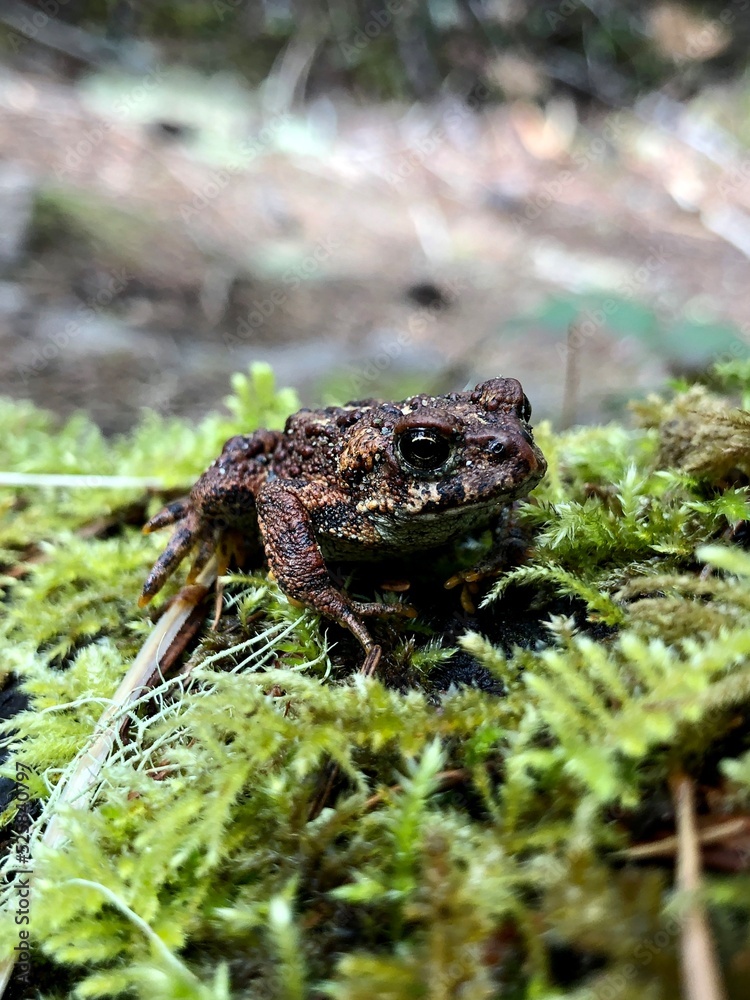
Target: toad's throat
{"points": [[402, 531]]}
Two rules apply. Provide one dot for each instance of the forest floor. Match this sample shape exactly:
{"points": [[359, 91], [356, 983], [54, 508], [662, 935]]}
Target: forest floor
{"points": [[162, 233]]}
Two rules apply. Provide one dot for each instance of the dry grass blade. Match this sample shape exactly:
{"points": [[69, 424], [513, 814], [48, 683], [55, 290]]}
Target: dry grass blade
{"points": [[161, 647], [700, 971]]}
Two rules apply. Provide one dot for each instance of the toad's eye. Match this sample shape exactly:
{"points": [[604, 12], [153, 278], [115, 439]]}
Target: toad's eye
{"points": [[526, 410], [423, 449]]}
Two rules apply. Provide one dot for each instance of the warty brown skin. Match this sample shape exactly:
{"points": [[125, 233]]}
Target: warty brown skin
{"points": [[365, 480]]}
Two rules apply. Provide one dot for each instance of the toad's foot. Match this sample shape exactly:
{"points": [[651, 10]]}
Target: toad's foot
{"points": [[297, 563], [190, 533]]}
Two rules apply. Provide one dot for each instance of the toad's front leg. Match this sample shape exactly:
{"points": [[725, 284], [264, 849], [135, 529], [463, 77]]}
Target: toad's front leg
{"points": [[220, 509], [296, 561]]}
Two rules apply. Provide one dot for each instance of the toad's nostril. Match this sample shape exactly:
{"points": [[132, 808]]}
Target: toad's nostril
{"points": [[516, 447]]}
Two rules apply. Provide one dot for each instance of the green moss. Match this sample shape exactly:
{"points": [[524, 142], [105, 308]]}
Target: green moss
{"points": [[472, 844]]}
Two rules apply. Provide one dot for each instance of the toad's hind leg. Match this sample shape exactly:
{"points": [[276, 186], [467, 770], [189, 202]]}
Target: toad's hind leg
{"points": [[188, 533], [297, 563]]}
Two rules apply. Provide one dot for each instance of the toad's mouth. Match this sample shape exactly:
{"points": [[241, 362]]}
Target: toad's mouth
{"points": [[454, 498]]}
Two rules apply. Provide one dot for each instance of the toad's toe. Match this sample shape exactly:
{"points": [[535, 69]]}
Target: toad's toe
{"points": [[181, 542]]}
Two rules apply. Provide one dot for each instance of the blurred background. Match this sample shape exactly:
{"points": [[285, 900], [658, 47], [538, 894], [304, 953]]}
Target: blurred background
{"points": [[375, 196]]}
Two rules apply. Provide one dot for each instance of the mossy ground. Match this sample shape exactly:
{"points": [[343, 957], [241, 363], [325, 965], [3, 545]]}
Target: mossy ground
{"points": [[490, 778]]}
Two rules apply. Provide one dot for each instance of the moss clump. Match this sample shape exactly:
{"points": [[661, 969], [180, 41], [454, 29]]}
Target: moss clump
{"points": [[473, 844]]}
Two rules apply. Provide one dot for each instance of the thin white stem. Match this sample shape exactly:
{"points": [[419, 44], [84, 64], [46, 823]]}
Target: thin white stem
{"points": [[85, 481]]}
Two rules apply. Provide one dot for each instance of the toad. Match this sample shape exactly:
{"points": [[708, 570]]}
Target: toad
{"points": [[366, 480]]}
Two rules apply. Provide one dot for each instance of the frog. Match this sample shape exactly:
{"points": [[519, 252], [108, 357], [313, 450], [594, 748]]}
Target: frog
{"points": [[364, 481]]}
